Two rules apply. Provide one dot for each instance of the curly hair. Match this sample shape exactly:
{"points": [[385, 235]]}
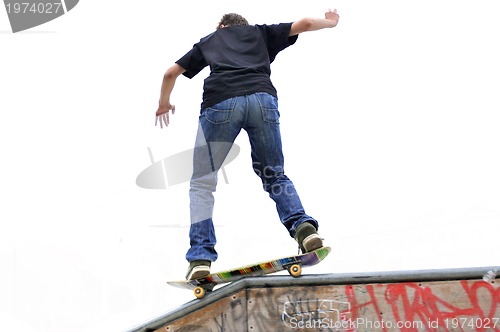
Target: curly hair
{"points": [[232, 19]]}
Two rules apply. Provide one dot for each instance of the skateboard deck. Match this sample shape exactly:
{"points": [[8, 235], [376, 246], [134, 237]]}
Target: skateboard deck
{"points": [[293, 264]]}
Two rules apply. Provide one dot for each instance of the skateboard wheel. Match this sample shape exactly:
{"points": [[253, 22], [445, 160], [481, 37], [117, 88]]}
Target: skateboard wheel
{"points": [[199, 292], [295, 270]]}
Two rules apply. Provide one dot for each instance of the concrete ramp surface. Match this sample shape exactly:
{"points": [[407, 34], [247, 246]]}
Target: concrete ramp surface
{"points": [[433, 300]]}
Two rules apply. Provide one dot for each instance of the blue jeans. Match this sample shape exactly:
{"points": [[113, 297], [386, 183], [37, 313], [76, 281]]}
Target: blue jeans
{"points": [[219, 126]]}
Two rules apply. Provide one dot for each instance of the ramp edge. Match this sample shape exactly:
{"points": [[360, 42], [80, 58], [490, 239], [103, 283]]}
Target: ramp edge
{"points": [[316, 280]]}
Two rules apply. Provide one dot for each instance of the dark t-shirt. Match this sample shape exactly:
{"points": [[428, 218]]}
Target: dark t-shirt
{"points": [[240, 59]]}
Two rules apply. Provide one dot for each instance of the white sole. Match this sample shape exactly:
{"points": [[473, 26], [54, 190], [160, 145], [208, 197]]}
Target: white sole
{"points": [[312, 242], [199, 272]]}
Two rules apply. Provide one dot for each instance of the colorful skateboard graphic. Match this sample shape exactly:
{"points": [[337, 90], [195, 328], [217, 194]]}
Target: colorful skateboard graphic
{"points": [[292, 264]]}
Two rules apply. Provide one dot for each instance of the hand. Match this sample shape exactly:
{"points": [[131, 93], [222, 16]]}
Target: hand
{"points": [[332, 15], [163, 114]]}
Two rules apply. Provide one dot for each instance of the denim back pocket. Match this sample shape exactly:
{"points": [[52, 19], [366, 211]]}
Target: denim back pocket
{"points": [[269, 108], [220, 113]]}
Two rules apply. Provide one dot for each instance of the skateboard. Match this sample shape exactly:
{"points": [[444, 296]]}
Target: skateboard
{"points": [[293, 264]]}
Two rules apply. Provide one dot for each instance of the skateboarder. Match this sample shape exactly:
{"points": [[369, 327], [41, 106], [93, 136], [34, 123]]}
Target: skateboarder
{"points": [[238, 94]]}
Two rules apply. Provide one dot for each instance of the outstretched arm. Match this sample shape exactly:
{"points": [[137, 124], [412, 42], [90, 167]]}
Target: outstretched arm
{"points": [[167, 86], [312, 24]]}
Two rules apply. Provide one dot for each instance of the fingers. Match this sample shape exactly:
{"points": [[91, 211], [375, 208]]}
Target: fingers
{"points": [[163, 115], [331, 15], [164, 119]]}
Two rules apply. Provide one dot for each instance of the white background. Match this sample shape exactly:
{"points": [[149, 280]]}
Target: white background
{"points": [[390, 125]]}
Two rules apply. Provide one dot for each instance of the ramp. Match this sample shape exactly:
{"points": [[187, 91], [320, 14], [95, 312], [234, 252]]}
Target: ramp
{"points": [[428, 300]]}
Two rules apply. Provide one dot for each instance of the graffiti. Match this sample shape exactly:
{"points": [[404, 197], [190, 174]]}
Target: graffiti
{"points": [[319, 313], [469, 306], [438, 306]]}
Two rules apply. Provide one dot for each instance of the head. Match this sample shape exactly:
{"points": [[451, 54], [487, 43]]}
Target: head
{"points": [[231, 19]]}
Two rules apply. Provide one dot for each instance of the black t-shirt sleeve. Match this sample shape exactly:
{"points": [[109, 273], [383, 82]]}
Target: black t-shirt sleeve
{"points": [[193, 62], [277, 38]]}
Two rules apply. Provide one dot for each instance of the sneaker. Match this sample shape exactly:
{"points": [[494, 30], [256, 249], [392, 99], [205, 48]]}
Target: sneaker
{"points": [[198, 269], [308, 238]]}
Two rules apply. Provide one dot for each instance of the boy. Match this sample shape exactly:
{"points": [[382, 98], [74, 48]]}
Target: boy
{"points": [[238, 94]]}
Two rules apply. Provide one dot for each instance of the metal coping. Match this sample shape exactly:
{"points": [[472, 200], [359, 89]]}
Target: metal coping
{"points": [[315, 280]]}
